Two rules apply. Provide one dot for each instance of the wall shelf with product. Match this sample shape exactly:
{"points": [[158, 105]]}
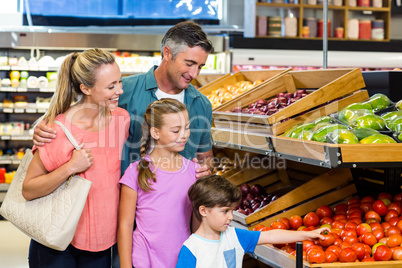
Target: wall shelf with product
{"points": [[348, 20]]}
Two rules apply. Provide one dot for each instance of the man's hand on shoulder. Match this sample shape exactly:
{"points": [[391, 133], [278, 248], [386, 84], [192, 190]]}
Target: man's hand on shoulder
{"points": [[43, 134], [202, 171]]}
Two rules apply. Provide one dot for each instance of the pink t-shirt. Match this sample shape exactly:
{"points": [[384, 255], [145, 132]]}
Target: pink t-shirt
{"points": [[162, 216], [97, 227]]}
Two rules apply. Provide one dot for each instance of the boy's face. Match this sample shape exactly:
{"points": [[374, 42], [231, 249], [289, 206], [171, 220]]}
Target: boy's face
{"points": [[219, 218]]}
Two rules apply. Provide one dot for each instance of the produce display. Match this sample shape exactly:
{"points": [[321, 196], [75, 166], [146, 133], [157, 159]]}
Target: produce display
{"points": [[227, 92], [366, 123], [361, 230], [271, 106], [222, 164], [253, 198]]}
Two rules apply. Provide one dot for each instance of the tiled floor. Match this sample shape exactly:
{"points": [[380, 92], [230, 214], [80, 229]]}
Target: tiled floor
{"points": [[13, 246]]}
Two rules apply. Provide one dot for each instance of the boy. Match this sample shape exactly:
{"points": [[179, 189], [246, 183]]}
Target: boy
{"points": [[215, 243]]}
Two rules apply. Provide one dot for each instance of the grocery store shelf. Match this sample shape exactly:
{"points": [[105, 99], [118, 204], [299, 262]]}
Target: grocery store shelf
{"points": [[310, 152], [9, 160], [24, 89], [23, 137], [28, 68], [30, 108]]}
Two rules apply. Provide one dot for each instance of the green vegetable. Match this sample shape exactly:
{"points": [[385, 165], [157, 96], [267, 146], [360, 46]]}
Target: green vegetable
{"points": [[377, 138], [321, 134], [362, 133]]}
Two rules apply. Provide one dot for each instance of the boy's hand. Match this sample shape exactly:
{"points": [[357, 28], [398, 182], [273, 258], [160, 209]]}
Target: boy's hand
{"points": [[43, 134]]}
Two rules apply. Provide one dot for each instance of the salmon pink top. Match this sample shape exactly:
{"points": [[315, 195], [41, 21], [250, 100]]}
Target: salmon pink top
{"points": [[97, 227]]}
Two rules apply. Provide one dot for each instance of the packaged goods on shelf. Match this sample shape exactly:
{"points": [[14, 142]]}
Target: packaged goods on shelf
{"points": [[12, 128]]}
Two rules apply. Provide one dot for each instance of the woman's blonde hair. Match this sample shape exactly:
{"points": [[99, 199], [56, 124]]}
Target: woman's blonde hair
{"points": [[153, 117], [78, 68]]}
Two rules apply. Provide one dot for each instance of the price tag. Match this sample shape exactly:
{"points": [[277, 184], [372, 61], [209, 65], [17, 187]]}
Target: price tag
{"points": [[42, 68], [4, 68], [30, 111], [4, 89], [12, 89], [5, 137], [18, 110], [46, 89], [42, 111], [22, 89], [7, 110]]}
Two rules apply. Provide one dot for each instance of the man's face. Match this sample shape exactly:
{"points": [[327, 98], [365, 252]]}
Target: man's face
{"points": [[186, 66]]}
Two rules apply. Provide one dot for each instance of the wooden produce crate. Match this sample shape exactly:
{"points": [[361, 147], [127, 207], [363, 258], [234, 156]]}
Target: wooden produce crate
{"points": [[259, 124], [300, 197], [251, 75], [206, 79], [338, 155], [328, 84]]}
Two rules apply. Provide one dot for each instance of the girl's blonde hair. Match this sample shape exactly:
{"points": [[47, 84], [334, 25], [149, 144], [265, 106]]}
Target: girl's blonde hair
{"points": [[78, 68], [153, 117]]}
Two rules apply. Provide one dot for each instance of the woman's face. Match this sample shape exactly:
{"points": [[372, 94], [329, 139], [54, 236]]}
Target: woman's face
{"points": [[108, 86]]}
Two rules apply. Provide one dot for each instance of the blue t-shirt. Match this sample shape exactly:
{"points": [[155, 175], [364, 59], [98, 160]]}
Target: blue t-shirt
{"points": [[139, 92], [227, 252]]}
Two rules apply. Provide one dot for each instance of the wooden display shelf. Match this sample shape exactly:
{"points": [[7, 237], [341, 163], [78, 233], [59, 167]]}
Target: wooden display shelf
{"points": [[299, 196], [251, 76], [205, 79], [259, 124], [301, 10]]}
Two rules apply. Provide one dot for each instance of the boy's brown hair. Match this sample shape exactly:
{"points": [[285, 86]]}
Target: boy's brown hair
{"points": [[211, 191]]}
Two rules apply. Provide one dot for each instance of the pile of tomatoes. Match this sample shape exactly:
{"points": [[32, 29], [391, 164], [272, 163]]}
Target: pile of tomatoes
{"points": [[361, 230]]}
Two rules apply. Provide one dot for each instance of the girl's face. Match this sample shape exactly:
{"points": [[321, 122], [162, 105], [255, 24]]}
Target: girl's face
{"points": [[174, 133], [108, 86]]}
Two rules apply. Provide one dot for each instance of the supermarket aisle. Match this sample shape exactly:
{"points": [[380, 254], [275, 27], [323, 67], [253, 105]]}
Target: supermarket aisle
{"points": [[13, 246]]}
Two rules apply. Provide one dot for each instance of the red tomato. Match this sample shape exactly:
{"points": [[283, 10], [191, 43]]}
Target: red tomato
{"points": [[363, 228], [376, 226], [340, 208], [372, 214], [392, 230], [385, 225], [394, 240], [397, 254], [350, 224], [312, 248], [382, 253], [316, 256], [378, 234], [335, 249], [337, 225], [391, 214], [339, 217], [266, 228], [368, 259], [307, 244], [338, 242], [355, 209], [278, 225], [311, 219], [258, 227], [356, 220], [394, 221], [366, 206], [326, 220], [368, 199], [399, 225], [351, 240], [324, 211], [354, 200], [396, 207], [328, 240], [295, 222], [355, 214], [348, 232], [380, 207], [398, 197], [330, 257], [304, 255], [369, 239], [360, 250], [347, 255], [345, 245], [286, 222]]}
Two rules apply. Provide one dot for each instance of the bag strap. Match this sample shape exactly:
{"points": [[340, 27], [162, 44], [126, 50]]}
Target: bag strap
{"points": [[69, 136]]}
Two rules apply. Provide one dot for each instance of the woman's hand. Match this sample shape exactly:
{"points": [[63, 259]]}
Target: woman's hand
{"points": [[80, 161]]}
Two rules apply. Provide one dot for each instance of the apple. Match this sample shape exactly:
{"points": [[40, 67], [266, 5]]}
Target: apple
{"points": [[363, 228]]}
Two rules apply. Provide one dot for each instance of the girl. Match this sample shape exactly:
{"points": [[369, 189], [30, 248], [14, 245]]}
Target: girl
{"points": [[85, 101], [154, 191]]}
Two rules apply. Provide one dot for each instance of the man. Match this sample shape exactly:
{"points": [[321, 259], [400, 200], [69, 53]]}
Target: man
{"points": [[184, 49]]}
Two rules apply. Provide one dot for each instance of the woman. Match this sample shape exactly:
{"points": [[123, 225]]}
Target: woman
{"points": [[85, 101]]}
